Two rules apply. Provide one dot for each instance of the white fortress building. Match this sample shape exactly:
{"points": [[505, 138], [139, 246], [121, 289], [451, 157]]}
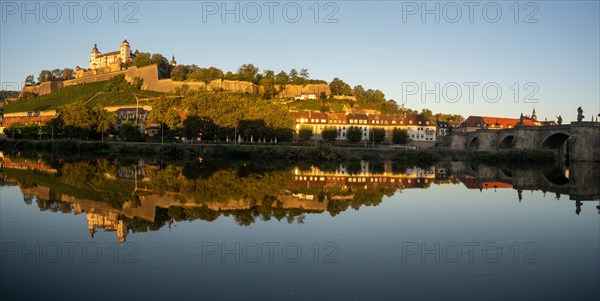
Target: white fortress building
{"points": [[121, 56], [107, 62]]}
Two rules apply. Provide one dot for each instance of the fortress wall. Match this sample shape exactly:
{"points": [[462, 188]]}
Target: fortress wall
{"points": [[297, 90], [43, 88], [92, 78], [151, 82]]}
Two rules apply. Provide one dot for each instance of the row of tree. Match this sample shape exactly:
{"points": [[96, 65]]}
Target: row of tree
{"points": [[51, 75], [246, 72], [355, 134]]}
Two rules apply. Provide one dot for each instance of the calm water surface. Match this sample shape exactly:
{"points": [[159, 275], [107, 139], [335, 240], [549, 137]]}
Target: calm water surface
{"points": [[144, 229]]}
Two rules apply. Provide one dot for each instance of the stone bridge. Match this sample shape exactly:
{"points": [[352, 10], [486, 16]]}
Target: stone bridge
{"points": [[579, 141]]}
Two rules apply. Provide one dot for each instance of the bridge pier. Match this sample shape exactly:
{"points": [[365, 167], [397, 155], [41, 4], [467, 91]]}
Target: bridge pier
{"points": [[585, 141]]}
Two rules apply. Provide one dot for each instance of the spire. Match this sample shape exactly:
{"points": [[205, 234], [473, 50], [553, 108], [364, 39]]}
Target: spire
{"points": [[533, 116], [173, 61], [95, 49]]}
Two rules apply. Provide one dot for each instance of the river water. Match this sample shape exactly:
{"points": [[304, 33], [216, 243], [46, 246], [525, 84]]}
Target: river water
{"points": [[145, 229]]}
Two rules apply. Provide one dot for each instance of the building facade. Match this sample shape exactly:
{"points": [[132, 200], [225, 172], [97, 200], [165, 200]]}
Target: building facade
{"points": [[418, 127]]}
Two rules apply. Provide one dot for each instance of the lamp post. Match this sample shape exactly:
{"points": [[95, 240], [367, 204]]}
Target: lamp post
{"points": [[373, 132]]}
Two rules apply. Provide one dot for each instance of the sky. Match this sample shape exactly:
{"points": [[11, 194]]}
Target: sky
{"points": [[470, 58]]}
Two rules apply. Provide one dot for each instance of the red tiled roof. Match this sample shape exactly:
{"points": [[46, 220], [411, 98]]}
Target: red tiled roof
{"points": [[109, 53], [497, 122], [26, 120]]}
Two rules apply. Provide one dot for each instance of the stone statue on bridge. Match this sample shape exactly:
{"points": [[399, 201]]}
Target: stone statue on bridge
{"points": [[559, 120], [580, 115], [521, 120]]}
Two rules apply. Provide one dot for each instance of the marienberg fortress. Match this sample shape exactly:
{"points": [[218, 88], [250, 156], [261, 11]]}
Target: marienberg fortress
{"points": [[104, 66]]}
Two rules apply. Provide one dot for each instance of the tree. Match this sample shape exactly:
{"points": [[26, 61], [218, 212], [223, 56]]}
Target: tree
{"points": [[427, 113], [164, 67], [179, 73], [304, 73], [192, 127], [104, 120], [164, 111], [339, 87], [129, 131], [400, 136], [354, 134], [282, 78], [30, 80], [305, 133], [45, 76], [56, 74], [268, 82], [67, 73], [293, 74], [323, 96], [54, 127], [247, 72], [78, 119], [142, 59], [377, 135], [329, 133], [206, 74], [359, 93]]}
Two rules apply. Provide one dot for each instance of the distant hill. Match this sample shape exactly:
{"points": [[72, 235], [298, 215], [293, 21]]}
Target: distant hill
{"points": [[8, 94]]}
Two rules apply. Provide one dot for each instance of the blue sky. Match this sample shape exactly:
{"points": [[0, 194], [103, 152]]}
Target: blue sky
{"points": [[379, 44]]}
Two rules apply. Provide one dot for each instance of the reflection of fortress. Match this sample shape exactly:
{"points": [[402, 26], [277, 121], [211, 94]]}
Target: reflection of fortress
{"points": [[108, 221], [99, 215]]}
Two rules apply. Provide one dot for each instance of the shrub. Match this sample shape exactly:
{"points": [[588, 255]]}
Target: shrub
{"points": [[329, 133], [354, 134], [399, 136], [377, 135], [305, 133]]}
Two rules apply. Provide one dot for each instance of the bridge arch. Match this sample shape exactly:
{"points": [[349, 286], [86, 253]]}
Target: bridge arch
{"points": [[474, 143], [556, 140], [507, 142], [556, 176]]}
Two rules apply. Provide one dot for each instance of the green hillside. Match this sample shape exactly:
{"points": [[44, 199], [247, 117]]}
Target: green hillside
{"points": [[92, 94]]}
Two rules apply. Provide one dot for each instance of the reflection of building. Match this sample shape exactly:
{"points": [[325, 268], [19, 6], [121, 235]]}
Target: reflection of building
{"points": [[384, 178], [109, 221], [474, 183], [419, 128]]}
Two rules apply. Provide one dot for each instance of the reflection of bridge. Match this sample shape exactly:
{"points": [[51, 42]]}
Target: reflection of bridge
{"points": [[579, 140], [579, 180]]}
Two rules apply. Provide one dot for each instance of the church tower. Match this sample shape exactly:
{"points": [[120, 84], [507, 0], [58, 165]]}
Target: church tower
{"points": [[533, 116], [125, 52], [95, 53], [173, 61]]}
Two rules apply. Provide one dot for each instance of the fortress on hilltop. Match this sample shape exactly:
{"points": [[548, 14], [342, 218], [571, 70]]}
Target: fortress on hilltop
{"points": [[104, 66], [108, 62]]}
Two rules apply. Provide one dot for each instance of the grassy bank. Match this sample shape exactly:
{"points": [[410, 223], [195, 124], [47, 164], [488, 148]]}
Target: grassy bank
{"points": [[90, 93]]}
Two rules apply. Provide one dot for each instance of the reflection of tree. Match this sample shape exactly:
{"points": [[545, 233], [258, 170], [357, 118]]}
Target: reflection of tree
{"points": [[139, 225], [362, 197], [222, 185]]}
